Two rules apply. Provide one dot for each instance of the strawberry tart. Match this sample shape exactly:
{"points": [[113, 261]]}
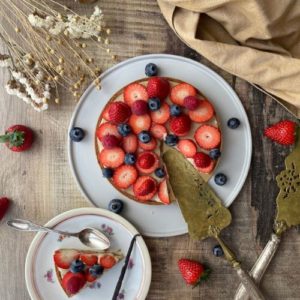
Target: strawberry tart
{"points": [[142, 115], [76, 268]]}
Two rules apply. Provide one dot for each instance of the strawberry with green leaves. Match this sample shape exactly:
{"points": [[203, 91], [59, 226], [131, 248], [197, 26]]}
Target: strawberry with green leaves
{"points": [[18, 138]]}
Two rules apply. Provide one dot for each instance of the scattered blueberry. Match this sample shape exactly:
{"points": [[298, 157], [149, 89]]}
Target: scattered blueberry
{"points": [[233, 123], [76, 134], [151, 69], [171, 139], [107, 172], [116, 206], [214, 153], [218, 251], [96, 270], [160, 172], [175, 110], [220, 179], [130, 159], [144, 136], [154, 104], [124, 129], [77, 266]]}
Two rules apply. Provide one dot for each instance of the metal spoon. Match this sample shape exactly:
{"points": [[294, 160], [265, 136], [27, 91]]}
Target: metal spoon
{"points": [[90, 237]]}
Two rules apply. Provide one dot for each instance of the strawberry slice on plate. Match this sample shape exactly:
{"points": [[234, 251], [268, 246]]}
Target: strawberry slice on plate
{"points": [[149, 146], [208, 137], [180, 91], [107, 129], [158, 131], [163, 193], [187, 147], [203, 113], [208, 169], [72, 283], [147, 162], [161, 115], [180, 125], [133, 92], [64, 259], [158, 87], [145, 188], [202, 160], [88, 276], [112, 158], [124, 176], [130, 143], [105, 114], [107, 261], [140, 123], [89, 259]]}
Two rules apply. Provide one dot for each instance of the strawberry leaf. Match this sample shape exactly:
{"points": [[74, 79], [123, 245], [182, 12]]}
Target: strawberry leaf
{"points": [[14, 139]]}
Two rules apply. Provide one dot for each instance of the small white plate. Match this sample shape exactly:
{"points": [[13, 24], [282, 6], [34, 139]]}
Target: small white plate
{"points": [[40, 276], [159, 220]]}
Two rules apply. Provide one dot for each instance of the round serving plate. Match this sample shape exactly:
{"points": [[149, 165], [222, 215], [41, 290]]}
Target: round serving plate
{"points": [[160, 220]]}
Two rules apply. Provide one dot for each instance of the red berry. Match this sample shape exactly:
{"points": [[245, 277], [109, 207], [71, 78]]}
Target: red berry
{"points": [[158, 87], [89, 259], [161, 115], [191, 102], [4, 205], [163, 193], [107, 261], [149, 146], [145, 188], [147, 162], [202, 160], [133, 92], [203, 113], [180, 125], [187, 147], [139, 107], [192, 271], [208, 137], [130, 143], [180, 91], [209, 168], [158, 131], [283, 132], [112, 158], [110, 141], [118, 112], [107, 128], [73, 282], [105, 114], [64, 258], [124, 176], [140, 123], [88, 276]]}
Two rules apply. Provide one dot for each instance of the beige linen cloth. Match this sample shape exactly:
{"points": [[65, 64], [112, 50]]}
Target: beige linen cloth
{"points": [[257, 40]]}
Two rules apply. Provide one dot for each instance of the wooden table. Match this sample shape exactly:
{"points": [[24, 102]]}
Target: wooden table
{"points": [[41, 185]]}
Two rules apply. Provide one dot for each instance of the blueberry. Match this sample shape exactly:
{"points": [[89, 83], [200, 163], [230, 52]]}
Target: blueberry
{"points": [[130, 159], [96, 270], [151, 69], [214, 153], [154, 104], [144, 136], [160, 172], [116, 206], [124, 129], [77, 266], [233, 123], [76, 134], [107, 172], [171, 139], [175, 110], [218, 251], [220, 179]]}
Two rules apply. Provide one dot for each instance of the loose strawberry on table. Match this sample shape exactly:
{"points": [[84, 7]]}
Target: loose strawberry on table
{"points": [[133, 92], [4, 205]]}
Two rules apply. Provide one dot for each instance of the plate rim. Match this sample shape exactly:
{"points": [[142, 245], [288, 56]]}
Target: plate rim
{"points": [[38, 238]]}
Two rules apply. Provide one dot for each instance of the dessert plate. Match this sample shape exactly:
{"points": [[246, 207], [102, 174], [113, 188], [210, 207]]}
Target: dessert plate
{"points": [[152, 220], [40, 276]]}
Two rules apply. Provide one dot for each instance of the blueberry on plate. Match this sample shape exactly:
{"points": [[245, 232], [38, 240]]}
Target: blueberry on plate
{"points": [[233, 123], [160, 172], [154, 104], [214, 153], [124, 129], [107, 172], [77, 266], [151, 69], [96, 270], [130, 159], [220, 179], [76, 134], [175, 110], [218, 251], [171, 139], [116, 206], [144, 136]]}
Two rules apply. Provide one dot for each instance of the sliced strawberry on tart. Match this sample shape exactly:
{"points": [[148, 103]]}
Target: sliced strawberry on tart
{"points": [[76, 268]]}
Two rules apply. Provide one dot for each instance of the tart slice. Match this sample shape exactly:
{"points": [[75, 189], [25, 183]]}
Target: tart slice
{"points": [[76, 268]]}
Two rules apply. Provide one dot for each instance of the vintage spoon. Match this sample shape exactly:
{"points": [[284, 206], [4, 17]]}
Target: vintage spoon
{"points": [[90, 237]]}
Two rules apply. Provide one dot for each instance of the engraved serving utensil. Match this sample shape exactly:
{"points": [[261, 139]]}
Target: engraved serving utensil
{"points": [[90, 237], [288, 214], [202, 209]]}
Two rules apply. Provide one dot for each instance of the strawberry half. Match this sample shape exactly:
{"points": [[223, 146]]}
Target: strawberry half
{"points": [[64, 259], [133, 92], [145, 188], [180, 91], [180, 125], [147, 162], [158, 131], [18, 138], [73, 282], [125, 176], [89, 259], [202, 160], [208, 137], [112, 158], [140, 123], [119, 112], [4, 205], [163, 193], [158, 87], [107, 261], [130, 143], [107, 129], [187, 147], [208, 169], [149, 146], [105, 114], [203, 113], [88, 276], [162, 115], [283, 132]]}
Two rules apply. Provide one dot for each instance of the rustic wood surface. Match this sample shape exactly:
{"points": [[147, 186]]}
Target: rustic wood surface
{"points": [[41, 185]]}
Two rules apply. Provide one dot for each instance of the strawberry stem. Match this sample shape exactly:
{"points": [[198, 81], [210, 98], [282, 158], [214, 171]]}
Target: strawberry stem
{"points": [[14, 139]]}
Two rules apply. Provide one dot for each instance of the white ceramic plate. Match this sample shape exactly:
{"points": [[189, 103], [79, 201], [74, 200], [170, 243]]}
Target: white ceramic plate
{"points": [[158, 220], [41, 280]]}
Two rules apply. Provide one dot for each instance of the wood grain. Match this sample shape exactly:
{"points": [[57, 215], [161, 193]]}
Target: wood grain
{"points": [[41, 185]]}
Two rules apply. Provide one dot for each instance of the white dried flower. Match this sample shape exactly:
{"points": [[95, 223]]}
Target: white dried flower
{"points": [[5, 60]]}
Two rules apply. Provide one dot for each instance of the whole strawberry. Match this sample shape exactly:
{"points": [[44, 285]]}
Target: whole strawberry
{"points": [[192, 271], [4, 205], [283, 132], [18, 138]]}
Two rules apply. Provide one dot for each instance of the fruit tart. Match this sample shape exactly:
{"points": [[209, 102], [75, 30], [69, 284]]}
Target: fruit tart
{"points": [[76, 268], [142, 115]]}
